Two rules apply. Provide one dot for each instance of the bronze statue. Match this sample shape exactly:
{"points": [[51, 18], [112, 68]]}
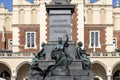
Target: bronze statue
{"points": [[61, 56], [42, 54], [39, 56], [81, 54]]}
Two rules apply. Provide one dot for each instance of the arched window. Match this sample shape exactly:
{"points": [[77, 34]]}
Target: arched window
{"points": [[102, 16], [7, 23], [89, 16], [21, 16], [34, 16]]}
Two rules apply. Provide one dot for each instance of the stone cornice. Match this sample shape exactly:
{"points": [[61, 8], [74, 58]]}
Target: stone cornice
{"points": [[101, 25], [116, 30], [97, 5], [6, 13], [25, 25], [24, 5], [6, 32]]}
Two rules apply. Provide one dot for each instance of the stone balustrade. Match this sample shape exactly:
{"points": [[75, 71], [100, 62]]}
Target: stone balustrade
{"points": [[107, 54], [30, 55]]}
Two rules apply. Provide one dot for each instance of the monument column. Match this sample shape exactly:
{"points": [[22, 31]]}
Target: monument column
{"points": [[59, 12], [60, 17]]}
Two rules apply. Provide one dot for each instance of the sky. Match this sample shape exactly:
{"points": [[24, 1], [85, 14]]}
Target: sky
{"points": [[8, 3]]}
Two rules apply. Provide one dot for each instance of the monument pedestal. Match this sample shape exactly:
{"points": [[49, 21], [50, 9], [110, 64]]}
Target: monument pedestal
{"points": [[76, 72]]}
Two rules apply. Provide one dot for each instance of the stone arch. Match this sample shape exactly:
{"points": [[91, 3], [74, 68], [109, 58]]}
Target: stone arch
{"points": [[22, 70], [117, 63], [101, 63], [1, 62], [7, 23], [6, 70], [21, 16], [100, 70], [34, 16], [89, 16], [21, 64], [25, 78], [97, 78], [102, 16], [115, 70]]}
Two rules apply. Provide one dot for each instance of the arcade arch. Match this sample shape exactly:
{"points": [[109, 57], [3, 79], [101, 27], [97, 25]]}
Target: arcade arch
{"points": [[22, 71], [5, 71], [99, 70], [116, 71]]}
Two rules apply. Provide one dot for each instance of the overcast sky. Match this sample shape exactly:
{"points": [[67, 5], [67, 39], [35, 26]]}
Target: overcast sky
{"points": [[8, 3]]}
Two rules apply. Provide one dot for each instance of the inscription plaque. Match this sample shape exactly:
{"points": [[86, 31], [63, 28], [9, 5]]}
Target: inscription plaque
{"points": [[60, 24]]}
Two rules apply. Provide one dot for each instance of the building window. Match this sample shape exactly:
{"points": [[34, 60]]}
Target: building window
{"points": [[30, 39], [10, 44], [94, 39]]}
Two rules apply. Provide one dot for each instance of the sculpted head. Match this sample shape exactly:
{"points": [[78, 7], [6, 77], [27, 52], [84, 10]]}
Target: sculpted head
{"points": [[42, 44], [60, 40], [80, 44]]}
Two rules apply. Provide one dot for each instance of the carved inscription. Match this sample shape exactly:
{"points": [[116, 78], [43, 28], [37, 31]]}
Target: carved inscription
{"points": [[60, 25]]}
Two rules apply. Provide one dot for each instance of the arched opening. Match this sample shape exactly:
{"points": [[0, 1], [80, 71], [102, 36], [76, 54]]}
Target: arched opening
{"points": [[22, 72], [34, 16], [102, 16], [99, 71], [7, 23], [116, 72], [5, 75], [116, 75], [89, 16], [5, 72], [21, 16], [96, 78], [25, 78]]}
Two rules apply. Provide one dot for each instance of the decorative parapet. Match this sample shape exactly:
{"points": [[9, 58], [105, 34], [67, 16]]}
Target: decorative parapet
{"points": [[10, 54], [16, 55], [107, 54]]}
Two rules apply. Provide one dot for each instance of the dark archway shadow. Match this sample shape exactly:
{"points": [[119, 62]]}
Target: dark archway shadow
{"points": [[4, 74], [116, 75]]}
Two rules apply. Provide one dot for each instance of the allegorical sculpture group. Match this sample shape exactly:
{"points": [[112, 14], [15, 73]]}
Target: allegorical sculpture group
{"points": [[62, 59]]}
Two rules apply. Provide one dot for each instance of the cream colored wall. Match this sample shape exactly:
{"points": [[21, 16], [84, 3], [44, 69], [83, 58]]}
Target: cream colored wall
{"points": [[5, 14], [109, 15], [15, 14], [42, 20], [109, 39], [80, 18], [2, 22], [96, 15], [116, 14], [16, 39]]}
